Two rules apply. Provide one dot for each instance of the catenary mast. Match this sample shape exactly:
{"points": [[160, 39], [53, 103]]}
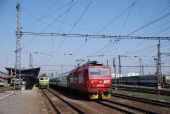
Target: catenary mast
{"points": [[18, 42]]}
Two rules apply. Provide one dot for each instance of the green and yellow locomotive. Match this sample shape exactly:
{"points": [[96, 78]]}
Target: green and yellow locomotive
{"points": [[43, 82], [16, 82]]}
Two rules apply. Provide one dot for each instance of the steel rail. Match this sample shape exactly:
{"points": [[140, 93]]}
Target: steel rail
{"points": [[144, 100], [131, 107], [68, 103], [116, 108], [56, 109]]}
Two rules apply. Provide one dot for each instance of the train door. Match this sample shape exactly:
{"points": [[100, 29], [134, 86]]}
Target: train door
{"points": [[81, 79], [85, 78]]}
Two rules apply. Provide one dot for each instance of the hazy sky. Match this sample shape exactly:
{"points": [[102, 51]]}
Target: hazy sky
{"points": [[98, 17]]}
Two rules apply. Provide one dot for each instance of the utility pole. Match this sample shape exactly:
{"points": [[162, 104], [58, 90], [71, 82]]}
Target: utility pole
{"points": [[62, 68], [140, 66], [159, 58], [142, 70], [120, 72], [114, 66], [158, 69], [107, 62], [18, 42], [30, 62]]}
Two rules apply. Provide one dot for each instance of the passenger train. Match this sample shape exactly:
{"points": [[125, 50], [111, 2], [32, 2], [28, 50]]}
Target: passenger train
{"points": [[143, 80], [91, 78]]}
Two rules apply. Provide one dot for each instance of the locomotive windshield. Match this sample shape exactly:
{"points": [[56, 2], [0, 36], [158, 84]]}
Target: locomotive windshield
{"points": [[94, 71], [99, 72], [105, 72]]}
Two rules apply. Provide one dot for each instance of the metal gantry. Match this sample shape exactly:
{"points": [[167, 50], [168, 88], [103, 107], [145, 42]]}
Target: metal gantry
{"points": [[96, 36]]}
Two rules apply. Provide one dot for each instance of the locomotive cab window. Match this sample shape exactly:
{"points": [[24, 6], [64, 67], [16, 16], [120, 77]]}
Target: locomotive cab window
{"points": [[105, 72], [94, 72], [45, 78]]}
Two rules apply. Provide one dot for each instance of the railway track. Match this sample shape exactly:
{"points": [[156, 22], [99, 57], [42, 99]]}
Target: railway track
{"points": [[65, 102], [61, 105], [124, 108], [144, 100], [76, 103], [3, 89]]}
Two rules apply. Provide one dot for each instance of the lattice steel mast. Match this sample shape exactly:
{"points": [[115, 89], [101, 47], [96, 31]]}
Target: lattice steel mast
{"points": [[18, 42]]}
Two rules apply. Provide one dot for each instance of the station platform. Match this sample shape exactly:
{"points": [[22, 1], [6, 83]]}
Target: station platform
{"points": [[21, 102]]}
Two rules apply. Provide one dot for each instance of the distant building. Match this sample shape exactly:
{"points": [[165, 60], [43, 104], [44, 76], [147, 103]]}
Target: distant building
{"points": [[29, 76], [3, 75], [117, 75]]}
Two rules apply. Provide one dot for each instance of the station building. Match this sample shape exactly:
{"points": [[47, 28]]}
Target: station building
{"points": [[29, 76]]}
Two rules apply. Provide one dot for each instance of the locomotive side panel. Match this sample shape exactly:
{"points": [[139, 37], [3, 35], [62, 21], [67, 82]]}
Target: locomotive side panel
{"points": [[77, 80]]}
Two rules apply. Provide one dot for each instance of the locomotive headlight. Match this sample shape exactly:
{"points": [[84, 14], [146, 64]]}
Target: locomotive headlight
{"points": [[91, 81], [106, 81]]}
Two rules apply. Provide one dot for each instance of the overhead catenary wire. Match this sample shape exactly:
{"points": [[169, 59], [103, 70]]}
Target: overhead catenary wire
{"points": [[147, 48], [125, 22], [148, 24], [60, 44], [115, 18], [156, 27], [109, 45], [75, 24], [150, 48], [154, 18], [47, 13], [83, 13], [56, 19], [163, 30], [89, 38]]}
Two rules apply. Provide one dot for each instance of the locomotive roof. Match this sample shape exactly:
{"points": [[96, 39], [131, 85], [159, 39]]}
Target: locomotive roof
{"points": [[92, 63], [87, 65]]}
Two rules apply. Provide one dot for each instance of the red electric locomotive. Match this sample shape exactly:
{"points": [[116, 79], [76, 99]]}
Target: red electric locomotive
{"points": [[91, 78]]}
